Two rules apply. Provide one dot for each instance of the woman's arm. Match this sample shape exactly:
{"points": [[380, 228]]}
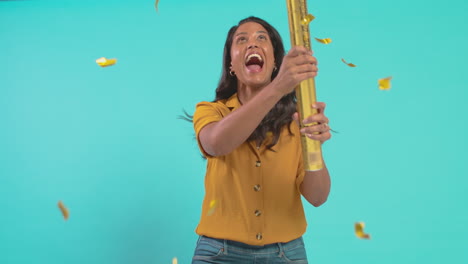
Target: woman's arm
{"points": [[222, 137], [316, 186]]}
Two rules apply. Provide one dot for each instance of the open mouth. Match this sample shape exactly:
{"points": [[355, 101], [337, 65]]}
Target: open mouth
{"points": [[254, 62]]}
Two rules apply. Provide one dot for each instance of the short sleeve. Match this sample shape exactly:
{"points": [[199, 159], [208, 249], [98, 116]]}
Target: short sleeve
{"points": [[205, 113], [300, 174]]}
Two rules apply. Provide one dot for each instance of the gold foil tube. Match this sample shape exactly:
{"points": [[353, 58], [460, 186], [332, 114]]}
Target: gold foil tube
{"points": [[305, 91]]}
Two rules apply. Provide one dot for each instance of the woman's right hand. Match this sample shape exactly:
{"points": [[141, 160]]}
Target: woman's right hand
{"points": [[298, 65]]}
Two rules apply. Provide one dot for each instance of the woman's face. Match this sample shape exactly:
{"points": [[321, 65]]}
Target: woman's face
{"points": [[252, 55]]}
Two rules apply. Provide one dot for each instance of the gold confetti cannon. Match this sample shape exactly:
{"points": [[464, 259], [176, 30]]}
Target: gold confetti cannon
{"points": [[305, 91]]}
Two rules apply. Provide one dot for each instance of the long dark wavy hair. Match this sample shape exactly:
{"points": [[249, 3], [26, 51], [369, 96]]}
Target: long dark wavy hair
{"points": [[281, 114]]}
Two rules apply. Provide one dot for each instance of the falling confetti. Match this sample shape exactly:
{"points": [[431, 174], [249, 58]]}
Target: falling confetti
{"points": [[213, 205], [64, 210], [349, 64], [103, 62], [156, 5], [307, 19], [324, 41], [174, 261], [359, 230], [384, 84]]}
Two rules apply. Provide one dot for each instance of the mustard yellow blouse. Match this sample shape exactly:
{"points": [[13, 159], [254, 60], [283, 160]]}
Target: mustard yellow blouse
{"points": [[257, 194]]}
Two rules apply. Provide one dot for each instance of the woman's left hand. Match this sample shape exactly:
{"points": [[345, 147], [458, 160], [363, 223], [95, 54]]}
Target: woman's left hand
{"points": [[319, 130]]}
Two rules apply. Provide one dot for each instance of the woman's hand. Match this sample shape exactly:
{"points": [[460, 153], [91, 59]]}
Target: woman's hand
{"points": [[319, 130], [298, 65]]}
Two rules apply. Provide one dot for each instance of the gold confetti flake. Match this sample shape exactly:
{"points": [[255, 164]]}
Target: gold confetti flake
{"points": [[384, 84], [324, 41], [174, 261], [359, 230], [64, 210], [213, 205], [306, 20], [156, 5], [349, 64], [103, 62]]}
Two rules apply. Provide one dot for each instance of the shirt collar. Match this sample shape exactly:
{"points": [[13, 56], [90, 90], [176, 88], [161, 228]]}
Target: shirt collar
{"points": [[233, 102]]}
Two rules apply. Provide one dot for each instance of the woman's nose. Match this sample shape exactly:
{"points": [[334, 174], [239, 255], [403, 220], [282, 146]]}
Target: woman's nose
{"points": [[251, 46]]}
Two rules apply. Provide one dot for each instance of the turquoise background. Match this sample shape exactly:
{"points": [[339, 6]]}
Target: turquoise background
{"points": [[107, 141]]}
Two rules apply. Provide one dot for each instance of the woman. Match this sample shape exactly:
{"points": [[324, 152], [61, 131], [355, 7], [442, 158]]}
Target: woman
{"points": [[252, 211]]}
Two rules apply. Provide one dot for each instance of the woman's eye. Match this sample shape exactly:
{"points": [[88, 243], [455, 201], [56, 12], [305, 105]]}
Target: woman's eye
{"points": [[262, 37], [241, 39]]}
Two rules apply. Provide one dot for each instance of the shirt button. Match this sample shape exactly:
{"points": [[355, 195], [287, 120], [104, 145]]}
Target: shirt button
{"points": [[258, 163], [257, 187], [259, 236], [258, 213]]}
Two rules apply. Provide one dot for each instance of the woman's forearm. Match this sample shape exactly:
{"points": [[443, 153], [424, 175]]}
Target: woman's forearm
{"points": [[222, 137], [316, 186]]}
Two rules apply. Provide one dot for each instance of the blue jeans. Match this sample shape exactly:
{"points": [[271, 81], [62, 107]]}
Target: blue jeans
{"points": [[220, 251]]}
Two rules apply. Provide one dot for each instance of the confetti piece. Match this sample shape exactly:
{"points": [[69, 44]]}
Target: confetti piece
{"points": [[306, 20], [384, 84], [103, 62], [174, 261], [349, 64], [213, 205], [156, 5], [359, 230], [324, 41], [64, 210]]}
